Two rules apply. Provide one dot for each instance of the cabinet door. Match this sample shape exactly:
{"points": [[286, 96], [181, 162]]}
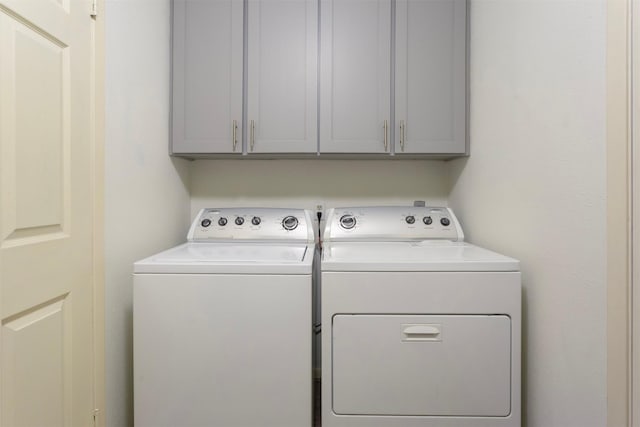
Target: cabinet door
{"points": [[430, 76], [207, 76], [355, 76], [282, 69]]}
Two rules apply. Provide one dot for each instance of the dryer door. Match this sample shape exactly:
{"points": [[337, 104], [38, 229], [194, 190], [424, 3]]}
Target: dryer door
{"points": [[446, 365]]}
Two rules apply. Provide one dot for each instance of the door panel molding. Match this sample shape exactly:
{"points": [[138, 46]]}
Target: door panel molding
{"points": [[21, 337], [35, 143]]}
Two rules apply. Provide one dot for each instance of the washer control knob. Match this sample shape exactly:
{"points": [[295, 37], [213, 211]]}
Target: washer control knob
{"points": [[222, 221], [427, 220], [445, 222], [347, 221], [205, 222], [239, 220], [256, 220], [290, 222], [410, 219]]}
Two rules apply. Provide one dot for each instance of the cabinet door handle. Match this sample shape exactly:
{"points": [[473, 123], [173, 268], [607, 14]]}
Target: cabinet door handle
{"points": [[386, 128], [235, 134], [402, 135], [253, 134]]}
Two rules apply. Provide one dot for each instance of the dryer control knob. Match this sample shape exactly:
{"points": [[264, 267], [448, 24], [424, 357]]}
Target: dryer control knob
{"points": [[427, 220], [347, 221], [239, 220], [222, 221], [290, 222], [410, 219], [256, 220], [205, 222], [445, 222]]}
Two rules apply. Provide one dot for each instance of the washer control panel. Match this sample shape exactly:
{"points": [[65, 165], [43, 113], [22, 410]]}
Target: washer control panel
{"points": [[392, 223], [252, 224]]}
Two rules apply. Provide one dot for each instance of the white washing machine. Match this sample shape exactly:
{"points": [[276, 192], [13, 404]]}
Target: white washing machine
{"points": [[419, 328], [222, 324]]}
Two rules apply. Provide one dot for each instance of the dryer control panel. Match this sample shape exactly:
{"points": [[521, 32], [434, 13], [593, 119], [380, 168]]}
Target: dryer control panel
{"points": [[391, 223], [255, 224]]}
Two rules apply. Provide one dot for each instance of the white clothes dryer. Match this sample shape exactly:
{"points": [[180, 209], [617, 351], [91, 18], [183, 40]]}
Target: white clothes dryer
{"points": [[222, 323], [419, 328]]}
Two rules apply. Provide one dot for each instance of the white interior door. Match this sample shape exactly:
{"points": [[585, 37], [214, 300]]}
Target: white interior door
{"points": [[46, 199]]}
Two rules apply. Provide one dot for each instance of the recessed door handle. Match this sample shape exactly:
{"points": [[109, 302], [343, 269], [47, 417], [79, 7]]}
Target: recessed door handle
{"points": [[422, 332]]}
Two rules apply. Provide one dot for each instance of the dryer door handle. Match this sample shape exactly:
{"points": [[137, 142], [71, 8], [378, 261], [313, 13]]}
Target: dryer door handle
{"points": [[421, 332]]}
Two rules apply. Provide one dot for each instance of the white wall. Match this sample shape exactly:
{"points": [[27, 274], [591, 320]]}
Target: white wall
{"points": [[307, 183], [146, 194], [534, 188]]}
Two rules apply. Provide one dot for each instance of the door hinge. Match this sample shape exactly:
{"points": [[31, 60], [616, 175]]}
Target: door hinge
{"points": [[94, 8], [95, 417]]}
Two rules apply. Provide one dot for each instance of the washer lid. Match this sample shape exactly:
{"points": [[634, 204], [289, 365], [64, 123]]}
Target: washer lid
{"points": [[428, 255], [230, 258]]}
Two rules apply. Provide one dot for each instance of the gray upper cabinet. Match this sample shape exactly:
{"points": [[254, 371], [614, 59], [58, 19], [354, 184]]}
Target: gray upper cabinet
{"points": [[355, 76], [207, 76], [428, 98], [370, 77], [282, 69], [430, 77]]}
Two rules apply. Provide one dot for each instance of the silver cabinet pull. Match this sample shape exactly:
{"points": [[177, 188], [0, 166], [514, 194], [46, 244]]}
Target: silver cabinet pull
{"points": [[386, 128], [253, 134], [402, 135], [235, 134]]}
